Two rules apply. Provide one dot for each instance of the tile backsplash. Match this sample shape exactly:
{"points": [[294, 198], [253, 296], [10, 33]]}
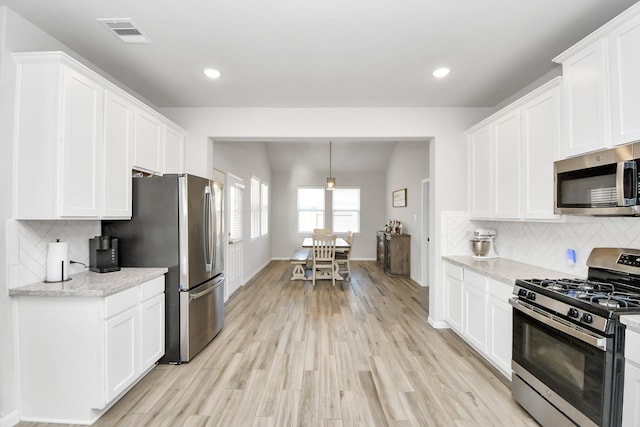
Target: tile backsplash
{"points": [[544, 244], [30, 239]]}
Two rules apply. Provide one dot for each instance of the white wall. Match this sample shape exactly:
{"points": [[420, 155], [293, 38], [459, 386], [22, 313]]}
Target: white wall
{"points": [[246, 159], [284, 219], [408, 166], [447, 153]]}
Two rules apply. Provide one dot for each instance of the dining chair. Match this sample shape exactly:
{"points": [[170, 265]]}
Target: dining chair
{"points": [[323, 231], [343, 256], [324, 255]]}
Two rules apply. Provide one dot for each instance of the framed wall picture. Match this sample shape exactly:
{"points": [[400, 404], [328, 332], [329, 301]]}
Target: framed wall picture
{"points": [[399, 198]]}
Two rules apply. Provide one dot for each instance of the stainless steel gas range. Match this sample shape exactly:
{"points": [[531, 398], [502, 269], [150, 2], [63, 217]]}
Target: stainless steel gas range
{"points": [[568, 342]]}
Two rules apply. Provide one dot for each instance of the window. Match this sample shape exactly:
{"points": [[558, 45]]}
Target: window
{"points": [[310, 209], [346, 210], [264, 209], [259, 208], [235, 214]]}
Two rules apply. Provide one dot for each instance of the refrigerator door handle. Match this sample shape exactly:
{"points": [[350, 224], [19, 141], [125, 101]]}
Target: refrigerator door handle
{"points": [[208, 251]]}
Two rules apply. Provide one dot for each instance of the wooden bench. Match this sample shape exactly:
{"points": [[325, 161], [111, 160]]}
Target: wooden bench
{"points": [[299, 260]]}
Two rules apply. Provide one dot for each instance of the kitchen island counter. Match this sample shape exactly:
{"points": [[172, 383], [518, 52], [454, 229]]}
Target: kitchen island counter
{"points": [[503, 270], [91, 284]]}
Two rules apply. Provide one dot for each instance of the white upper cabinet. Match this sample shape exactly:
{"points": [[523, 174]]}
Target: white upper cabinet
{"points": [[601, 89], [78, 137], [480, 149], [148, 142], [173, 150], [511, 157], [540, 148], [585, 95], [624, 43], [118, 137], [59, 138], [508, 137]]}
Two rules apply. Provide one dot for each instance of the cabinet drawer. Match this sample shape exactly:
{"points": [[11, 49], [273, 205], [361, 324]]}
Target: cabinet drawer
{"points": [[117, 303], [453, 271], [500, 290], [632, 346], [475, 280], [152, 288]]}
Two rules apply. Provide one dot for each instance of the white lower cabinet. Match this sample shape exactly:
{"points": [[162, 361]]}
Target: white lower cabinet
{"points": [[121, 335], [78, 355], [453, 295], [474, 290], [477, 308], [151, 323], [499, 325], [631, 402]]}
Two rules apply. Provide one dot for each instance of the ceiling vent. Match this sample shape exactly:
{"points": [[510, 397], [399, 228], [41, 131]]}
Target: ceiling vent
{"points": [[126, 30]]}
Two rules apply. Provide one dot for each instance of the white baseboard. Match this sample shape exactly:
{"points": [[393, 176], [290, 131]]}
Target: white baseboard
{"points": [[440, 324], [10, 420]]}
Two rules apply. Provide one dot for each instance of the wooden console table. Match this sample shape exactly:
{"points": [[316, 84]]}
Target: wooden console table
{"points": [[393, 253]]}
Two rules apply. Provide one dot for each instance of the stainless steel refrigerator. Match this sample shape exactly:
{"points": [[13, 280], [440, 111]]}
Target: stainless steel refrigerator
{"points": [[177, 222]]}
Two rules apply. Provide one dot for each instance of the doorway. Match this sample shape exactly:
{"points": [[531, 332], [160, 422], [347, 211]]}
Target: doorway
{"points": [[426, 238]]}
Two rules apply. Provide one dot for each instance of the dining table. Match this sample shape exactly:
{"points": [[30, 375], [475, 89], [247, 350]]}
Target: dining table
{"points": [[307, 243]]}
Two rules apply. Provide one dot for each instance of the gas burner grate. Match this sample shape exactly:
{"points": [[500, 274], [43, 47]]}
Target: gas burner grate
{"points": [[575, 286]]}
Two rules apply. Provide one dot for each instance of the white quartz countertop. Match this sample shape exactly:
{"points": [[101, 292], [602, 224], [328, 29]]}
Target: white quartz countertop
{"points": [[90, 284], [504, 270]]}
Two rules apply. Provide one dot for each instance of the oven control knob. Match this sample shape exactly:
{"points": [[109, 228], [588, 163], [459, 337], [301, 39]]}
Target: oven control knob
{"points": [[573, 313], [522, 293], [531, 296], [586, 318]]}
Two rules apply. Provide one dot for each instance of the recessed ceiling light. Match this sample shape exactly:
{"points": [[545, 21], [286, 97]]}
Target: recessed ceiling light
{"points": [[441, 72], [212, 73]]}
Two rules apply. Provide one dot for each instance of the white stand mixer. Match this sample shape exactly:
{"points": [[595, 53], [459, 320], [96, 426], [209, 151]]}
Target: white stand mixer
{"points": [[485, 234]]}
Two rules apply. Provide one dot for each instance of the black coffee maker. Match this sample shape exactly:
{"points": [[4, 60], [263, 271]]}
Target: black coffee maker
{"points": [[103, 254]]}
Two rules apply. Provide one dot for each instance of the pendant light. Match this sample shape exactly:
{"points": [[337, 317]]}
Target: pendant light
{"points": [[331, 181]]}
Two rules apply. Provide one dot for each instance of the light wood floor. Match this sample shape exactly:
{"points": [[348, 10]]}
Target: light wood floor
{"points": [[294, 355]]}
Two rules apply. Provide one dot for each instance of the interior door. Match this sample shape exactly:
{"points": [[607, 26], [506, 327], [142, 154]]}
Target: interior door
{"points": [[235, 196]]}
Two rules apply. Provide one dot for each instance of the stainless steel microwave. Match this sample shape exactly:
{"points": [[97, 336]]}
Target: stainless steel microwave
{"points": [[600, 183]]}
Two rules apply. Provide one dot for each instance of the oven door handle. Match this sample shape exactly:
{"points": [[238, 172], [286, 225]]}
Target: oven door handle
{"points": [[554, 322]]}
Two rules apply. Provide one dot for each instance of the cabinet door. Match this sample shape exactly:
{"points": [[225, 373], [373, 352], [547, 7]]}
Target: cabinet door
{"points": [[506, 182], [540, 148], [453, 296], [625, 85], [121, 342], [148, 144], [499, 318], [151, 331], [475, 307], [82, 108], [118, 134], [585, 106], [480, 170], [631, 404], [173, 150]]}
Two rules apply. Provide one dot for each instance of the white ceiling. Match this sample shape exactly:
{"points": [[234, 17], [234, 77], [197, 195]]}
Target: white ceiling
{"points": [[324, 53]]}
